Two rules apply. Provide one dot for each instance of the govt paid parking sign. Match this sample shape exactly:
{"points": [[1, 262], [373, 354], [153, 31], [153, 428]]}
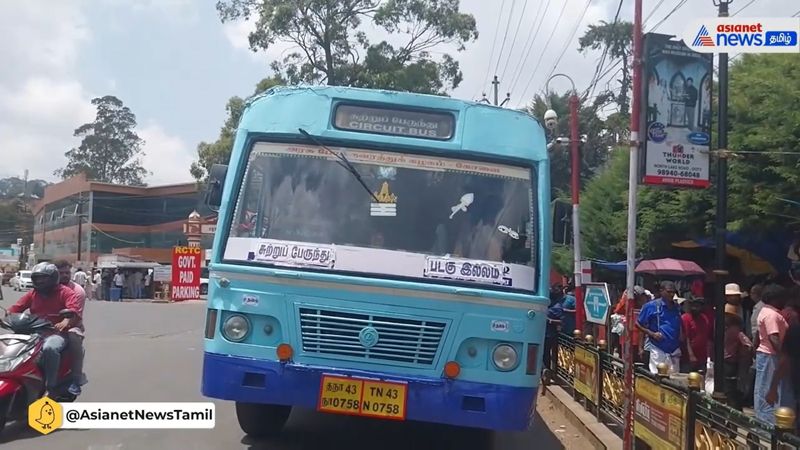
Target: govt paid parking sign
{"points": [[185, 273], [596, 302]]}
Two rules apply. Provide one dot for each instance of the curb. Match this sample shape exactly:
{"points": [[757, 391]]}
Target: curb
{"points": [[599, 436]]}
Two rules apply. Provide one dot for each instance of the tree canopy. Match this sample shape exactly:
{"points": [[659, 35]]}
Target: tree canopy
{"points": [[219, 151], [110, 150], [334, 47], [764, 174]]}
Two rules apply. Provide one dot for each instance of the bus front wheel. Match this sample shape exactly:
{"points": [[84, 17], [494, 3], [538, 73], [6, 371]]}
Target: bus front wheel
{"points": [[260, 420]]}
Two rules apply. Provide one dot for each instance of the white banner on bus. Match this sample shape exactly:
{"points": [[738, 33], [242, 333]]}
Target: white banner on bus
{"points": [[377, 261]]}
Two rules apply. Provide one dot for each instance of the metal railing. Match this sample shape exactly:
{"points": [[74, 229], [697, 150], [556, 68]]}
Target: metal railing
{"points": [[670, 412]]}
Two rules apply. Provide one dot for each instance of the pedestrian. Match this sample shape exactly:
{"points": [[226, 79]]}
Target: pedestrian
{"points": [[119, 283], [555, 316], [569, 303], [771, 330], [641, 296], [97, 279], [738, 354], [660, 322], [788, 371], [697, 329], [75, 335], [755, 294]]}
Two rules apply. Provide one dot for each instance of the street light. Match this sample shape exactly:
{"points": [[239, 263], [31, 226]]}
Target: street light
{"points": [[551, 122]]}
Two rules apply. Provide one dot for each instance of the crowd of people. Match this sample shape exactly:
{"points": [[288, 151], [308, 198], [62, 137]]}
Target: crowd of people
{"points": [[761, 338], [132, 283]]}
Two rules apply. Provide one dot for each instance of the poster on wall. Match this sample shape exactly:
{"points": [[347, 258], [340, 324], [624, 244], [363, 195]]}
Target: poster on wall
{"points": [[677, 113]]}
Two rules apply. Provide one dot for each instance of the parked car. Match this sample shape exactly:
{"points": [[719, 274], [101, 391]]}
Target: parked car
{"points": [[22, 281], [204, 281]]}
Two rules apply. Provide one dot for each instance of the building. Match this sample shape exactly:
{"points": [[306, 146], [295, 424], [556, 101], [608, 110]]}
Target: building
{"points": [[103, 218]]}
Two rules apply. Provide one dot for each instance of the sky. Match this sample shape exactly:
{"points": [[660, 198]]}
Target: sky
{"points": [[175, 65]]}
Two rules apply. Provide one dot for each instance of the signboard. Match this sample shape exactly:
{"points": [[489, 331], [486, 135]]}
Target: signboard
{"points": [[596, 303], [208, 228], [162, 273], [677, 113], [585, 380], [186, 265], [659, 415], [395, 122]]}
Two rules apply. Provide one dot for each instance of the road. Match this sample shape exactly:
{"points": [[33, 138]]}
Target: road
{"points": [[153, 352]]}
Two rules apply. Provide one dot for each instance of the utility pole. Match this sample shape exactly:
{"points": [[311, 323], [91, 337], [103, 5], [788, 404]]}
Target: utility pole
{"points": [[721, 273], [633, 184], [79, 214], [574, 140], [496, 87]]}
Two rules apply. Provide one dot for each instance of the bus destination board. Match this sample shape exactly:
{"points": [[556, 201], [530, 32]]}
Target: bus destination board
{"points": [[425, 125]]}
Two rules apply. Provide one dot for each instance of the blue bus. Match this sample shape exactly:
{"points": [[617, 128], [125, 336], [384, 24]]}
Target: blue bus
{"points": [[379, 254]]}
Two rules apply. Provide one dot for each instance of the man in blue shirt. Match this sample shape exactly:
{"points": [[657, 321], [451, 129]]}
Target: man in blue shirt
{"points": [[568, 325], [660, 322], [555, 317]]}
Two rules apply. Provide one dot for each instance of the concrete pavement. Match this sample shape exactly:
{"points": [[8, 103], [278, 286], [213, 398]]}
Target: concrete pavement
{"points": [[153, 352]]}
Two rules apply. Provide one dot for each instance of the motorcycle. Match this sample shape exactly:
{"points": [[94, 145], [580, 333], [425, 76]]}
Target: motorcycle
{"points": [[21, 372]]}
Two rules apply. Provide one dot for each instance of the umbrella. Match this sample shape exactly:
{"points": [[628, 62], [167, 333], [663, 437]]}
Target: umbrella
{"points": [[669, 267]]}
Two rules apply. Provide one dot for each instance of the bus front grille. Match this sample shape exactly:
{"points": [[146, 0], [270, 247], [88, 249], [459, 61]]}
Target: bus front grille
{"points": [[400, 340]]}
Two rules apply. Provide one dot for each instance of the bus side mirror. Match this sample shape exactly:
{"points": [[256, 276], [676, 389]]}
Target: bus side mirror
{"points": [[216, 182]]}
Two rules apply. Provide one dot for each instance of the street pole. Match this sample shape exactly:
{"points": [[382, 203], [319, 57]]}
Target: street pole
{"points": [[721, 274], [78, 212], [496, 84], [580, 313], [574, 140], [633, 184]]}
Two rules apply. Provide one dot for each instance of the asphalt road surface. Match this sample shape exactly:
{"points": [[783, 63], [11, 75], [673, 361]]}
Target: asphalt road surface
{"points": [[149, 352]]}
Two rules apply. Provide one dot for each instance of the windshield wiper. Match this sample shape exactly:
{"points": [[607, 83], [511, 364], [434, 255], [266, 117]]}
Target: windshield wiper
{"points": [[342, 161]]}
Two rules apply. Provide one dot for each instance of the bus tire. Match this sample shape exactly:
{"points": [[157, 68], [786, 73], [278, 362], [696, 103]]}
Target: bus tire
{"points": [[260, 420]]}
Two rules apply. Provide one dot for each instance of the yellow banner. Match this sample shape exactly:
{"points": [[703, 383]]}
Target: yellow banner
{"points": [[658, 415], [663, 397], [585, 379]]}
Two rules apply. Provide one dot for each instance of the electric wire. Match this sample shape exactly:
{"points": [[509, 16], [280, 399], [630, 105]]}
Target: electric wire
{"points": [[505, 35], [595, 78], [568, 41], [514, 39], [744, 7], [673, 11], [518, 70], [494, 44], [544, 48]]}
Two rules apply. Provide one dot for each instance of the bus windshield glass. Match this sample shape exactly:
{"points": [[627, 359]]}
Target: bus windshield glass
{"points": [[434, 218]]}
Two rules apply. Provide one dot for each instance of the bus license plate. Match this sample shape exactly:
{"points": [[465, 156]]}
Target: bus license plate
{"points": [[343, 395]]}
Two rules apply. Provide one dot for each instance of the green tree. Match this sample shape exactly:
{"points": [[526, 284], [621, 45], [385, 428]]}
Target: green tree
{"points": [[110, 150], [665, 215], [219, 151], [594, 151], [334, 48], [765, 128]]}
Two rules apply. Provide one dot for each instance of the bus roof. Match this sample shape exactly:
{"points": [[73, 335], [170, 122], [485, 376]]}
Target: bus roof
{"points": [[481, 129]]}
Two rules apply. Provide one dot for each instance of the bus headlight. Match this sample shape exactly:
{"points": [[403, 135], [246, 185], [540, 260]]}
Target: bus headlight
{"points": [[235, 328], [504, 357]]}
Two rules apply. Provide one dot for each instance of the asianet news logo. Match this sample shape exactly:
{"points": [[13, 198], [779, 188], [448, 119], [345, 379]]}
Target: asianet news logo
{"points": [[769, 35]]}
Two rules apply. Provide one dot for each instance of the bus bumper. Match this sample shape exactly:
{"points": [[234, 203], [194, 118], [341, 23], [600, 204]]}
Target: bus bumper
{"points": [[453, 402]]}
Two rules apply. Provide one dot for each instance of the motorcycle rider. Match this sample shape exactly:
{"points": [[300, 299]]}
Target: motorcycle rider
{"points": [[75, 334], [47, 299]]}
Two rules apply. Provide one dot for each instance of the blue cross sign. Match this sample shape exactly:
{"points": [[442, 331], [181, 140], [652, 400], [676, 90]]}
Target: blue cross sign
{"points": [[596, 303]]}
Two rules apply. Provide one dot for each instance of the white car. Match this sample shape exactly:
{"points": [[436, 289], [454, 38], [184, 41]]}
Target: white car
{"points": [[22, 281]]}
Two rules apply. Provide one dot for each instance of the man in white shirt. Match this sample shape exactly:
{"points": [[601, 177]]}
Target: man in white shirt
{"points": [[80, 278], [119, 282]]}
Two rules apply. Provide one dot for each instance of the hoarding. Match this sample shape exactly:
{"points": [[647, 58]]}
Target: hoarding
{"points": [[677, 113]]}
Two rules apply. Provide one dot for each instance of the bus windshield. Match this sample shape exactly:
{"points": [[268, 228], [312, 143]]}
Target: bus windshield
{"points": [[427, 217]]}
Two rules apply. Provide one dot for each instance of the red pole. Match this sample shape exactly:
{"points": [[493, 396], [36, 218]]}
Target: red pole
{"points": [[628, 440], [580, 313]]}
